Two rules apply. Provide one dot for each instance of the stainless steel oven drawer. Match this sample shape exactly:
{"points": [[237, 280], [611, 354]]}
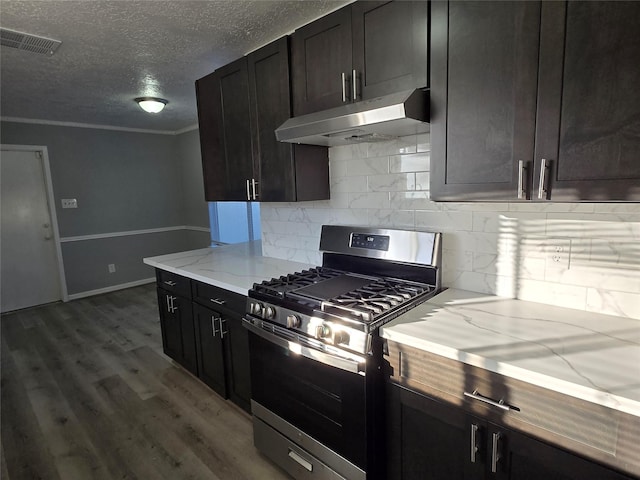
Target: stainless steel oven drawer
{"points": [[296, 461]]}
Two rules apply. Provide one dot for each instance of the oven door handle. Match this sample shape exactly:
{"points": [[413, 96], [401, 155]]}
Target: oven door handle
{"points": [[311, 353]]}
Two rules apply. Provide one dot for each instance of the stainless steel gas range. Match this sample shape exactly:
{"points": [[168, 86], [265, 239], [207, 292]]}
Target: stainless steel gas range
{"points": [[316, 357]]}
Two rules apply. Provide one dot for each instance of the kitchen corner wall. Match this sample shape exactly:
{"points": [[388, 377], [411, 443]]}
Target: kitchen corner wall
{"points": [[584, 256], [139, 194]]}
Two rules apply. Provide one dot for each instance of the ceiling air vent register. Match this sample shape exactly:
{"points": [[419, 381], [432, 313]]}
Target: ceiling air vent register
{"points": [[28, 42]]}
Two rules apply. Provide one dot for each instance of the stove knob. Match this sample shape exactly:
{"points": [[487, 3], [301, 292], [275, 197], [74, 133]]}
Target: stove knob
{"points": [[293, 321], [270, 313], [322, 331], [255, 308], [340, 337]]}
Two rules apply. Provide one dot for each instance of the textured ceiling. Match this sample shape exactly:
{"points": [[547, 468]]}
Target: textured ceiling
{"points": [[115, 51]]}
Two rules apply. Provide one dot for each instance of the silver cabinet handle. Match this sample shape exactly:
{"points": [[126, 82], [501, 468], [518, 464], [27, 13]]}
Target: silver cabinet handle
{"points": [[495, 451], [542, 186], [218, 301], [522, 192], [168, 304], [170, 283], [344, 88], [174, 309], [474, 442], [213, 326], [354, 81], [253, 188], [300, 461], [500, 403], [222, 332], [248, 191]]}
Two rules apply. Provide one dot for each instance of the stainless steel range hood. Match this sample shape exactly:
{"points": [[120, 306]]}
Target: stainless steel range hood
{"points": [[377, 119]]}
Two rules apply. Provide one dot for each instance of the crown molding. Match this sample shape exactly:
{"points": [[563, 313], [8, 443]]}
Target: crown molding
{"points": [[97, 126]]}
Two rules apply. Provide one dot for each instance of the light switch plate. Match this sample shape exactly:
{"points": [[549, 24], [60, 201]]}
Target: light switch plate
{"points": [[69, 203]]}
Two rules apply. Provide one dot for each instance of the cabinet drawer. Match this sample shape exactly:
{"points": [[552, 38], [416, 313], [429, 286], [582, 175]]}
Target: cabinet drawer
{"points": [[218, 298], [173, 283]]}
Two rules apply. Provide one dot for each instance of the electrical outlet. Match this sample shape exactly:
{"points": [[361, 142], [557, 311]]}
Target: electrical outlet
{"points": [[558, 253], [112, 268], [69, 203]]}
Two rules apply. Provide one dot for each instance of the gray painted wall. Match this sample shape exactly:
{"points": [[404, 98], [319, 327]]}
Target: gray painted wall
{"points": [[123, 181], [196, 212]]}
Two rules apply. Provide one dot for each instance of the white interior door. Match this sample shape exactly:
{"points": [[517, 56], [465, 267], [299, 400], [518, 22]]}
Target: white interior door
{"points": [[28, 259]]}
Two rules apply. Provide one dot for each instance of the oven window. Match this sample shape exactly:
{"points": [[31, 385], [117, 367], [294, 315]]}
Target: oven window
{"points": [[323, 401]]}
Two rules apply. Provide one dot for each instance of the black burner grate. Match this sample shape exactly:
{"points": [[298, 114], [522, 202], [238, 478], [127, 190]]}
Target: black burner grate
{"points": [[279, 287], [374, 299]]}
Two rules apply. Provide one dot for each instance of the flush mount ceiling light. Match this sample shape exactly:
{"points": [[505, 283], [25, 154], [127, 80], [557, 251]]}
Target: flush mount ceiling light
{"points": [[151, 104]]}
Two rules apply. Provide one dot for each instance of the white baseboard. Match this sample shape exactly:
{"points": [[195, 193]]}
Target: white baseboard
{"points": [[112, 288]]}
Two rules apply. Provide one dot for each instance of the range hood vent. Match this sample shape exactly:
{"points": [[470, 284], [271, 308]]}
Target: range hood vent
{"points": [[28, 42], [374, 120]]}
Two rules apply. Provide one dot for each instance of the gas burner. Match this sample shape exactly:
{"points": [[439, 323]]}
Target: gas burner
{"points": [[374, 299], [279, 287]]}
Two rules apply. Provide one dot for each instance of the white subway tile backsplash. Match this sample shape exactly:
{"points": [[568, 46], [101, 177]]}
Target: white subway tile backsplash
{"points": [[614, 303], [500, 248], [392, 182], [423, 142], [414, 200], [416, 162], [422, 180], [369, 200], [394, 147], [367, 166], [444, 221], [392, 218], [349, 184]]}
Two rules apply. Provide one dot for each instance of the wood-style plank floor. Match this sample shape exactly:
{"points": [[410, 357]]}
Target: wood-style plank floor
{"points": [[86, 393]]}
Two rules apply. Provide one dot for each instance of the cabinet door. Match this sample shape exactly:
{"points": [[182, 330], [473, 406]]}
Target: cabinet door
{"points": [[238, 370], [519, 457], [320, 57], [589, 109], [211, 328], [225, 132], [484, 64], [390, 47], [428, 439], [270, 107], [178, 334]]}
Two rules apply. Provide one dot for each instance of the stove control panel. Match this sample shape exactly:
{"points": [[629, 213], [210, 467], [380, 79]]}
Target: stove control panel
{"points": [[372, 242]]}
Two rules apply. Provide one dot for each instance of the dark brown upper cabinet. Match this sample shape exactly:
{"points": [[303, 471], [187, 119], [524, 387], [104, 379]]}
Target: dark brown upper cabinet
{"points": [[287, 172], [534, 101], [225, 132], [239, 107], [588, 125], [364, 50]]}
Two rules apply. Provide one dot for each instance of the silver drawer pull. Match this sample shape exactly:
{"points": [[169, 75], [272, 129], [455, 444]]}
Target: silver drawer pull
{"points": [[170, 283], [474, 442], [495, 453], [542, 185], [500, 403], [522, 171], [218, 301], [299, 460]]}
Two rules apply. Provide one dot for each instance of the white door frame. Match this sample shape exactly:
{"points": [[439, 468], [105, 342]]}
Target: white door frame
{"points": [[52, 206]]}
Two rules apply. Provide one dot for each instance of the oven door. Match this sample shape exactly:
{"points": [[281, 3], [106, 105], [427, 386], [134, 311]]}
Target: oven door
{"points": [[321, 395]]}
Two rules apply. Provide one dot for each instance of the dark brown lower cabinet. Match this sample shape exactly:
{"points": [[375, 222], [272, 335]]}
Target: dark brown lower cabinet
{"points": [[223, 354], [210, 332], [430, 439], [202, 331], [178, 335]]}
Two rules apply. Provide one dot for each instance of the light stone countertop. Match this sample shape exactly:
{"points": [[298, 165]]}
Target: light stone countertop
{"points": [[589, 356], [586, 355], [232, 267]]}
